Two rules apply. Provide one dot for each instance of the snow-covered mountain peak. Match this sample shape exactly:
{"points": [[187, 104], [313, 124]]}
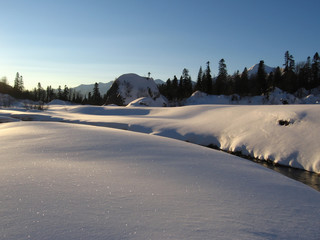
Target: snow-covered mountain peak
{"points": [[254, 69]]}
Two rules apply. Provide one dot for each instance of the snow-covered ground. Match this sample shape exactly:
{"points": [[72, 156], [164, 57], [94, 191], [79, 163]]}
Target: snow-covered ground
{"points": [[286, 134], [75, 181]]}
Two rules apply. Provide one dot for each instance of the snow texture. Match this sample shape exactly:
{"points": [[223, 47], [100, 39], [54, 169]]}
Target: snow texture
{"points": [[285, 134], [73, 181]]}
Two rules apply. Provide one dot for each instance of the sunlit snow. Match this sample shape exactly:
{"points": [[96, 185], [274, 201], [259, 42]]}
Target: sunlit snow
{"points": [[72, 181]]}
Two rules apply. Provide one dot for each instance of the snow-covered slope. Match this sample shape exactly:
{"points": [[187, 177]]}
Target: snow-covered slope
{"points": [[285, 134], [72, 182], [254, 69], [84, 89], [129, 87]]}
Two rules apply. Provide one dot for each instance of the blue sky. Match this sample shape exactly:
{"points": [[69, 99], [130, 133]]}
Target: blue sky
{"points": [[67, 42]]}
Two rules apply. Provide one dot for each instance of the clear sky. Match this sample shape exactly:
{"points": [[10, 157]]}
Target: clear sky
{"points": [[70, 42]]}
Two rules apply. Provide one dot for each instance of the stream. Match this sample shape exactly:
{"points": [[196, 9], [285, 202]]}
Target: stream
{"points": [[309, 178]]}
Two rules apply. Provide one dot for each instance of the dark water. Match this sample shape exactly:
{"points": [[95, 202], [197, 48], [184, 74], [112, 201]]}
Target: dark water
{"points": [[309, 178]]}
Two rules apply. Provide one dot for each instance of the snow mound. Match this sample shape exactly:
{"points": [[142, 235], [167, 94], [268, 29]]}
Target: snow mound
{"points": [[69, 182], [148, 102], [129, 87]]}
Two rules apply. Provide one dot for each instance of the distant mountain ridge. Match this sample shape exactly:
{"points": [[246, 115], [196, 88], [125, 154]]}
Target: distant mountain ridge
{"points": [[84, 89]]}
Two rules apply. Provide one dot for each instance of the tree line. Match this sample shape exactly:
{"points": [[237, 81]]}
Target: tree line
{"points": [[48, 94], [290, 78]]}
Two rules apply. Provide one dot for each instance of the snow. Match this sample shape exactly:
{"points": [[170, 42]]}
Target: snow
{"points": [[149, 102], [285, 134], [133, 86], [75, 181], [254, 69], [277, 96]]}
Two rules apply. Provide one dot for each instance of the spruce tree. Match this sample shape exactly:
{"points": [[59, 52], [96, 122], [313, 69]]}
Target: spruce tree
{"points": [[207, 80], [289, 76], [277, 78], [65, 94], [221, 82], [18, 84], [96, 96], [199, 84], [186, 84], [261, 79], [244, 86]]}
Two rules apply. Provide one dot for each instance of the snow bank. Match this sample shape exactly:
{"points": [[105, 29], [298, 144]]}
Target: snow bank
{"points": [[285, 134], [66, 181]]}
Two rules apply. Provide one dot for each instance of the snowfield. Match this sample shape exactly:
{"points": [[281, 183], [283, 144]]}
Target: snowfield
{"points": [[75, 181], [285, 134]]}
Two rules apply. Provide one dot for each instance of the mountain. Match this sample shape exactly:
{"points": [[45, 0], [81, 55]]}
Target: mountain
{"points": [[254, 69], [84, 89], [129, 87], [159, 81]]}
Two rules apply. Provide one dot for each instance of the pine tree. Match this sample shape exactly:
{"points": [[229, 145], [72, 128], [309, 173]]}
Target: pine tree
{"points": [[277, 78], [221, 82], [289, 76], [187, 83], [244, 86], [199, 84], [96, 96], [261, 79], [207, 80], [65, 94], [60, 93], [18, 83]]}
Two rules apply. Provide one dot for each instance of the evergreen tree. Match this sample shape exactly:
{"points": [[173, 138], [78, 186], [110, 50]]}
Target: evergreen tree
{"points": [[18, 83], [199, 84], [96, 96], [221, 82], [277, 78], [65, 94], [244, 85], [289, 76], [49, 94], [207, 80], [175, 87], [60, 93], [261, 79], [40, 93], [288, 62], [185, 84]]}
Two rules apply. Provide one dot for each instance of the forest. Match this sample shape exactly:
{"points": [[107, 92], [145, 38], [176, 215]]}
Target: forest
{"points": [[291, 77]]}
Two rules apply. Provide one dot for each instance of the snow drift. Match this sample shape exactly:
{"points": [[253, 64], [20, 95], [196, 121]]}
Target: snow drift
{"points": [[285, 134], [67, 181]]}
